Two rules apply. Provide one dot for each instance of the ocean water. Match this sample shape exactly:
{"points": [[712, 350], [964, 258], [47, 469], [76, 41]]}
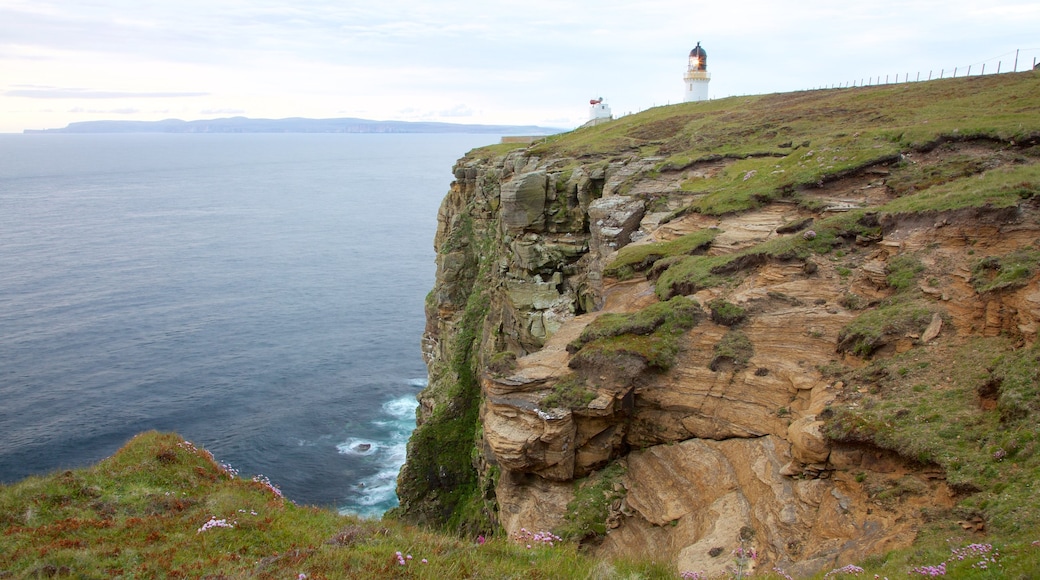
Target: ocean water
{"points": [[261, 295]]}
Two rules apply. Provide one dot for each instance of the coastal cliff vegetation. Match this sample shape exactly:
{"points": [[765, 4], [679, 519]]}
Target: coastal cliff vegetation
{"points": [[784, 336]]}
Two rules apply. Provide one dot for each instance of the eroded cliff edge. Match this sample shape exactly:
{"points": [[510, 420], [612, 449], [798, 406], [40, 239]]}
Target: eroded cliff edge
{"points": [[704, 327]]}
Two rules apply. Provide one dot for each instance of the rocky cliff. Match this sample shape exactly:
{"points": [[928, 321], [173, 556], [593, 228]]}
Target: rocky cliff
{"points": [[733, 325]]}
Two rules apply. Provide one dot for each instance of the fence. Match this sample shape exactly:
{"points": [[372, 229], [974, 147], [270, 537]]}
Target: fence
{"points": [[1007, 62]]}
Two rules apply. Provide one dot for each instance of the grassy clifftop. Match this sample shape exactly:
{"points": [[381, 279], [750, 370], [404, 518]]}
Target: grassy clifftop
{"points": [[163, 508]]}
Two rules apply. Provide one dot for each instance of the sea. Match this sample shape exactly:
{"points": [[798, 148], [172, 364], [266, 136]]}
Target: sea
{"points": [[259, 294]]}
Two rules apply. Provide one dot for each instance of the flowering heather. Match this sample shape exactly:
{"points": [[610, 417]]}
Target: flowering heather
{"points": [[688, 575], [534, 538], [850, 569], [939, 570], [786, 576], [263, 480], [985, 555], [215, 523]]}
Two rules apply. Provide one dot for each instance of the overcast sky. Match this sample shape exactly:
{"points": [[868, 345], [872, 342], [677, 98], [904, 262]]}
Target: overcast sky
{"points": [[510, 62]]}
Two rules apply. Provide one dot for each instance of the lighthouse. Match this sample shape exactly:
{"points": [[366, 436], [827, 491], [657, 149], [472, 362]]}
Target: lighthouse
{"points": [[697, 76]]}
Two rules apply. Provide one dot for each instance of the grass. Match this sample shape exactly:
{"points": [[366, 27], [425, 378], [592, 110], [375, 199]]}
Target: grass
{"points": [[569, 392], [973, 412], [902, 271], [734, 349], [1006, 272], [138, 514], [998, 188], [651, 335], [726, 313], [587, 513], [639, 257], [875, 328]]}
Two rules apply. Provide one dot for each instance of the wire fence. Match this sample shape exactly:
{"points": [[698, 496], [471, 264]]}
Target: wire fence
{"points": [[1016, 61]]}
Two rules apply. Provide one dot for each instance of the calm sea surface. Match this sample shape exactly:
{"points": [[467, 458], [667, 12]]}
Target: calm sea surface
{"points": [[261, 295]]}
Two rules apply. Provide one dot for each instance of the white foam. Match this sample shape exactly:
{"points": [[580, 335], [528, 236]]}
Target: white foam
{"points": [[358, 447], [402, 408], [418, 383]]}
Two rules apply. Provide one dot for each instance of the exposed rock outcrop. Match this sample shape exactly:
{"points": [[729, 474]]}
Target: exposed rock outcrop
{"points": [[721, 428]]}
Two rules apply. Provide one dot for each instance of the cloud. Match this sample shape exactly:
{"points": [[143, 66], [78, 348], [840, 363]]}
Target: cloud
{"points": [[119, 111], [457, 111], [222, 112], [72, 93]]}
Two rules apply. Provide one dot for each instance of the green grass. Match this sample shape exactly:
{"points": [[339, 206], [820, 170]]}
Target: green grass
{"points": [[652, 335], [587, 513], [735, 348], [1005, 272], [998, 188], [138, 515], [569, 392], [639, 257], [875, 328], [973, 412], [902, 271], [726, 313], [777, 145]]}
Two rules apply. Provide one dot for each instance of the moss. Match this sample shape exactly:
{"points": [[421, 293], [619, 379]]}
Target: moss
{"points": [[569, 392], [679, 311], [874, 328], [651, 335], [726, 313], [903, 270], [438, 484], [1005, 272], [734, 349], [690, 275], [639, 257], [587, 513], [501, 363]]}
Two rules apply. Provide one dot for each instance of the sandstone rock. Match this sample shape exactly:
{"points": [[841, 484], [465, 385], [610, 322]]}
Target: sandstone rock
{"points": [[612, 221], [808, 444], [933, 330], [523, 202]]}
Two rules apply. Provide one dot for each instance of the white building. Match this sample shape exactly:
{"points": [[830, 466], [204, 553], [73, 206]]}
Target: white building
{"points": [[697, 76], [599, 110]]}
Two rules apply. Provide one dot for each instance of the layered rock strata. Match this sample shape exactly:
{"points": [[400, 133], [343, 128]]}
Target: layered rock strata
{"points": [[720, 451]]}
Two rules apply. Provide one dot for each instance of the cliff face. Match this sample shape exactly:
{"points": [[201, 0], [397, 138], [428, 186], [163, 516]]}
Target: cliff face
{"points": [[691, 312]]}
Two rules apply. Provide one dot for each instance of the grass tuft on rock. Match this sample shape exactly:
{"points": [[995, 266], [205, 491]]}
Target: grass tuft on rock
{"points": [[639, 257], [651, 335]]}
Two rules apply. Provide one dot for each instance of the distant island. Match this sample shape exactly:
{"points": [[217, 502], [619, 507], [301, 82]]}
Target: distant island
{"points": [[292, 125]]}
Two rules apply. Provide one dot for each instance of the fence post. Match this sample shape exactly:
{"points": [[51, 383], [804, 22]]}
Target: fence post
{"points": [[918, 75], [954, 72], [929, 75], [1016, 60], [969, 71], [983, 68], [942, 72], [998, 67]]}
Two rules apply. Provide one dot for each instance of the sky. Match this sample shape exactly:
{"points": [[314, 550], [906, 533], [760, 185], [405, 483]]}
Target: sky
{"points": [[491, 62]]}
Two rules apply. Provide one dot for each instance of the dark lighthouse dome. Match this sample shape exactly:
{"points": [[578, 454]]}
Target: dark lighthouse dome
{"points": [[698, 58]]}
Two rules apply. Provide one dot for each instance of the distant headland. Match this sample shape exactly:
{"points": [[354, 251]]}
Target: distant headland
{"points": [[291, 125]]}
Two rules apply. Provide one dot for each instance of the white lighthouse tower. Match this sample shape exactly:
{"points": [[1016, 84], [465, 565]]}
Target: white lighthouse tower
{"points": [[697, 76]]}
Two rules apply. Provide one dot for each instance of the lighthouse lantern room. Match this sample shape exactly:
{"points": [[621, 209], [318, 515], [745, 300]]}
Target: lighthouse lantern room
{"points": [[697, 76]]}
